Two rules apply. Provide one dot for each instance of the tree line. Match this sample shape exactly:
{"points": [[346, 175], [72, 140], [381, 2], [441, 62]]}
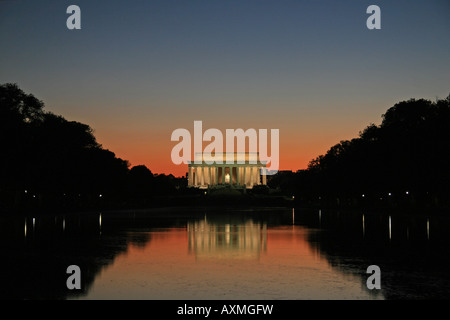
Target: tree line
{"points": [[404, 161], [47, 161]]}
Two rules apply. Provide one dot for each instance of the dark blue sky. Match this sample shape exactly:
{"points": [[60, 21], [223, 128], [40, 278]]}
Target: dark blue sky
{"points": [[137, 70]]}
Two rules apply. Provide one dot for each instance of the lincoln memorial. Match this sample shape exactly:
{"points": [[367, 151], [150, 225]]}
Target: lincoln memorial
{"points": [[244, 170]]}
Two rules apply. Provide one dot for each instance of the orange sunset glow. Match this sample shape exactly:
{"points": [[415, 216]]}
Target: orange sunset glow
{"points": [[299, 144]]}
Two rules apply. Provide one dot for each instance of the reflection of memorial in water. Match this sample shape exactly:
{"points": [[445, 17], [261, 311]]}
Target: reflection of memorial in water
{"points": [[243, 240]]}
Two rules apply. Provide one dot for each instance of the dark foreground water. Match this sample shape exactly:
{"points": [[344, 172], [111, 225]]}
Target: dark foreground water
{"points": [[191, 253]]}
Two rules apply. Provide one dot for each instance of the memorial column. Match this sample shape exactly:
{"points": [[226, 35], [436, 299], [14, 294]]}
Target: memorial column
{"points": [[202, 179]]}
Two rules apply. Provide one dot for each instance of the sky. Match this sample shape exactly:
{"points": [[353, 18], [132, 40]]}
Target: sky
{"points": [[138, 70]]}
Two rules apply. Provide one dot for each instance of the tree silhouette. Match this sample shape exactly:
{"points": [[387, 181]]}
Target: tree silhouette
{"points": [[141, 182], [17, 107], [49, 162], [402, 161]]}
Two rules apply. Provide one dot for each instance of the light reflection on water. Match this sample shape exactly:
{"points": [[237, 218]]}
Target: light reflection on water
{"points": [[209, 240], [209, 254], [243, 261]]}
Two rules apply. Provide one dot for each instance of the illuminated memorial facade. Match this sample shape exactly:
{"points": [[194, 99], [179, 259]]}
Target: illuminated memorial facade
{"points": [[244, 170]]}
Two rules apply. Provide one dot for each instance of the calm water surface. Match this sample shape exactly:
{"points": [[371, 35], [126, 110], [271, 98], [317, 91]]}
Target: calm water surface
{"points": [[191, 253]]}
